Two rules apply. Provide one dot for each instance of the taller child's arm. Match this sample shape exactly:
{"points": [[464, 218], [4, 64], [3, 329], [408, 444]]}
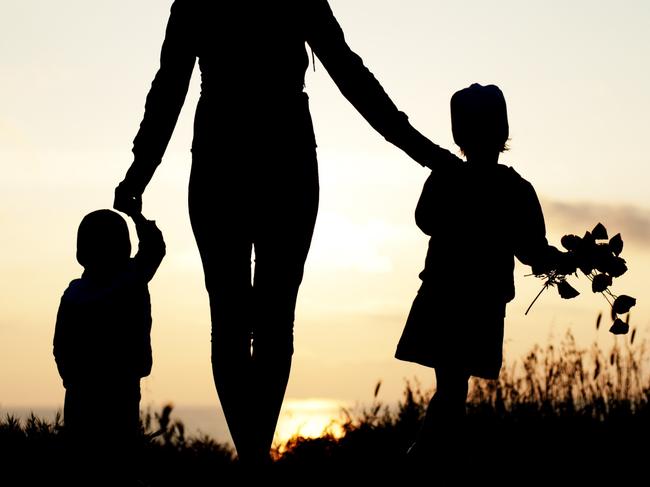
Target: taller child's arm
{"points": [[424, 218], [531, 246], [151, 247], [165, 98], [62, 341], [362, 89]]}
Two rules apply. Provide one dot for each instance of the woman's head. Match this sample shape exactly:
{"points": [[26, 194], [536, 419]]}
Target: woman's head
{"points": [[103, 240], [479, 119]]}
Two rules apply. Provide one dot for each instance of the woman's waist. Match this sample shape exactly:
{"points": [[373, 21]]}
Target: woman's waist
{"points": [[254, 123], [234, 96], [251, 112]]}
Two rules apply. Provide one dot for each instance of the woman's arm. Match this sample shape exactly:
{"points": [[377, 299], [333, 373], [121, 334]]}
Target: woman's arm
{"points": [[164, 101], [362, 89]]}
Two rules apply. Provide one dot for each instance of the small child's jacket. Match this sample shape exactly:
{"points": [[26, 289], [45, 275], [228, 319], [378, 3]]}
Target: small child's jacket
{"points": [[104, 321]]}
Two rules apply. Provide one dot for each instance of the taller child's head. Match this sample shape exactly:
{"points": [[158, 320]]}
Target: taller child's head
{"points": [[103, 241], [479, 120]]}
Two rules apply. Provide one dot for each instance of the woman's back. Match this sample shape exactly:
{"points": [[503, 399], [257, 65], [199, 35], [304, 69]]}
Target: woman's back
{"points": [[245, 48]]}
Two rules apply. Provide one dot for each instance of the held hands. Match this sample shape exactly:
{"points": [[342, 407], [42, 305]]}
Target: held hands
{"points": [[433, 156], [444, 160], [127, 201]]}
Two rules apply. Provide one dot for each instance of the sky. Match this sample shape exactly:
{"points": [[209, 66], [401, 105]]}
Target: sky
{"points": [[73, 79]]}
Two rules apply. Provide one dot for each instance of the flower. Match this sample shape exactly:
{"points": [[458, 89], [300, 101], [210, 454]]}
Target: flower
{"points": [[600, 232], [623, 303], [600, 283], [616, 244], [566, 290], [619, 327], [599, 261], [571, 242]]}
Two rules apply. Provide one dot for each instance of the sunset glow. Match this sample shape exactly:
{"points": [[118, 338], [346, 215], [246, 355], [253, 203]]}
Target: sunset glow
{"points": [[309, 418], [75, 75]]}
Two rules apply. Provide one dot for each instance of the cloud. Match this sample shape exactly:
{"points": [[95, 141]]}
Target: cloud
{"points": [[632, 222]]}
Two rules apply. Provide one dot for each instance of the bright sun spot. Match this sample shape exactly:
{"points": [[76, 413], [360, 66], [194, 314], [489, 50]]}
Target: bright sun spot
{"points": [[309, 418], [342, 244]]}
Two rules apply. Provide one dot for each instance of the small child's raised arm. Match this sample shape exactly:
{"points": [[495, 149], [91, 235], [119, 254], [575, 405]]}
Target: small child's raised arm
{"points": [[151, 246]]}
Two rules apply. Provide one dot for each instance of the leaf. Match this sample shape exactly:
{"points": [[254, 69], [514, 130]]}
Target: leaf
{"points": [[566, 263], [570, 242], [616, 244], [600, 317], [588, 239], [585, 254], [600, 232], [612, 265], [377, 387], [617, 267], [619, 327], [586, 268], [623, 303], [566, 290], [600, 283], [632, 337], [602, 257]]}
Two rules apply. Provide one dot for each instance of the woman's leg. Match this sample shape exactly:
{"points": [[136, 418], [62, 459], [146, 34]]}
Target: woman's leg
{"points": [[219, 221], [278, 273], [252, 325], [286, 215]]}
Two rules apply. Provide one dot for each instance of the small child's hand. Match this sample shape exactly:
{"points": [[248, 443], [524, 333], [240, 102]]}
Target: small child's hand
{"points": [[138, 218], [127, 201]]}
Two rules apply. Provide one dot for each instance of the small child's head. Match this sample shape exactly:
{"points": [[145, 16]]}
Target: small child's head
{"points": [[479, 120], [103, 241]]}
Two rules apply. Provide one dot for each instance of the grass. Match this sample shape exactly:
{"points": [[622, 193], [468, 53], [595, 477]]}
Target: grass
{"points": [[558, 406]]}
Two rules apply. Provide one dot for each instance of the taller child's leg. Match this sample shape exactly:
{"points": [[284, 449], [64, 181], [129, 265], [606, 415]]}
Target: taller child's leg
{"points": [[444, 417]]}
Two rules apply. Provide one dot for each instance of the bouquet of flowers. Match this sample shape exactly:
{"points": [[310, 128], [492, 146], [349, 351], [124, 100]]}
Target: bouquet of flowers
{"points": [[599, 258]]}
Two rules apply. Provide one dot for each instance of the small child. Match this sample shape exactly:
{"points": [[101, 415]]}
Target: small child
{"points": [[480, 215], [102, 343]]}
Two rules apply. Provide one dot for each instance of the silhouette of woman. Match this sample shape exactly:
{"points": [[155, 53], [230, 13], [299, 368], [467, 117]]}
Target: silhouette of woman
{"points": [[254, 178]]}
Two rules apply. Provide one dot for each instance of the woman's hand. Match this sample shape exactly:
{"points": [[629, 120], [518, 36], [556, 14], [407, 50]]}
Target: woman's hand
{"points": [[127, 200]]}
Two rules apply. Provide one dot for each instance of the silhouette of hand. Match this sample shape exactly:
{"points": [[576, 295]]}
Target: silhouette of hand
{"points": [[552, 260], [127, 201]]}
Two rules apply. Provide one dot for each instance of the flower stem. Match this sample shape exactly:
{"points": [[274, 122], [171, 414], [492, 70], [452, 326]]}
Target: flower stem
{"points": [[536, 298], [607, 299]]}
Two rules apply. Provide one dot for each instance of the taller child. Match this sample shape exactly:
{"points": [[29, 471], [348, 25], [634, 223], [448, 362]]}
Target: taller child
{"points": [[480, 216]]}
